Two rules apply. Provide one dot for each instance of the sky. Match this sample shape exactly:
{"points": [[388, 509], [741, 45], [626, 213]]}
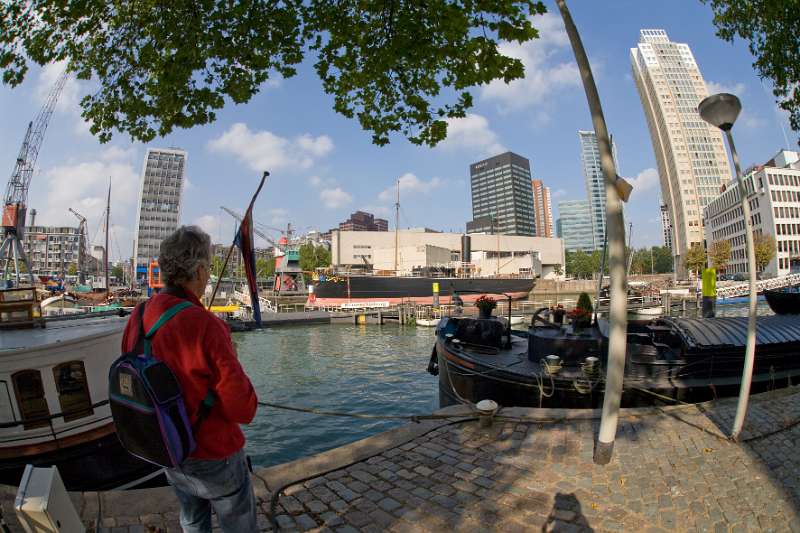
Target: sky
{"points": [[323, 166]]}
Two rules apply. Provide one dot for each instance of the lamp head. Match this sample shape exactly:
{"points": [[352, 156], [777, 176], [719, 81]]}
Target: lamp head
{"points": [[720, 110]]}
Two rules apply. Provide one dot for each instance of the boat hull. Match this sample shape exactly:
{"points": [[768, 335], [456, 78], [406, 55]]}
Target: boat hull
{"points": [[97, 461], [783, 302], [418, 290], [675, 359]]}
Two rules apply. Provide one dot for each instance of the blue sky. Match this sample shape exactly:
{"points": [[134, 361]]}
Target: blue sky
{"points": [[324, 167]]}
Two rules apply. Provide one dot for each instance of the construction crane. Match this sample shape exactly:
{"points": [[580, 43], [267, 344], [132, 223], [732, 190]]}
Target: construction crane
{"points": [[82, 252], [239, 218], [16, 197]]}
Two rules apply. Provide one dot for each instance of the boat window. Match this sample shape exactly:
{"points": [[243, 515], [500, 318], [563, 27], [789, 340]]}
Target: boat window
{"points": [[73, 391], [6, 408], [30, 397]]}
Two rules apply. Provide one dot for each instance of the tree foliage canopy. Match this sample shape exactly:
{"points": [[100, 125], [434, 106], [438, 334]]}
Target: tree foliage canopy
{"points": [[696, 258], [313, 257], [764, 246], [772, 29], [719, 254], [397, 65]]}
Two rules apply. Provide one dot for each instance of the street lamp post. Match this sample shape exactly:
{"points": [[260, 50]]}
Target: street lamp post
{"points": [[721, 111]]}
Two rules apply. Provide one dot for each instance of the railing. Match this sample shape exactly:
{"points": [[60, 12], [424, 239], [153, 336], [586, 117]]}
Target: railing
{"points": [[743, 289]]}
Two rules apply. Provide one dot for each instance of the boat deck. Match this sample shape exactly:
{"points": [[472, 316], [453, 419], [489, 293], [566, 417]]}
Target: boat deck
{"points": [[58, 331]]}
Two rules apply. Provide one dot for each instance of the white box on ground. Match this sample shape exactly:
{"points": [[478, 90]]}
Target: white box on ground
{"points": [[43, 505]]}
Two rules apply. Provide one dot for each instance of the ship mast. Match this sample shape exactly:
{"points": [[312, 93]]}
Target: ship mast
{"points": [[396, 227]]}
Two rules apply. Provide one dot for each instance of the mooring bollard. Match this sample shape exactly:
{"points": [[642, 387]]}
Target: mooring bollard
{"points": [[486, 411]]}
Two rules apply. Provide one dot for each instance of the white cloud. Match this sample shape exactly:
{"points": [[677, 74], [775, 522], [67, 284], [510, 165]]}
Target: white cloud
{"points": [[559, 193], [277, 215], [471, 133], [714, 88], [644, 181], [83, 186], [335, 198], [410, 184], [211, 224], [543, 75], [751, 121], [316, 181], [263, 150]]}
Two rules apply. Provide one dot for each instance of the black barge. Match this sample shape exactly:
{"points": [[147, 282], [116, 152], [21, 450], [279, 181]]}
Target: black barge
{"points": [[680, 359]]}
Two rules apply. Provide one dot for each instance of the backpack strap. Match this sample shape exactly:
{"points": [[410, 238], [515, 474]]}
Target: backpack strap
{"points": [[208, 402], [163, 319]]}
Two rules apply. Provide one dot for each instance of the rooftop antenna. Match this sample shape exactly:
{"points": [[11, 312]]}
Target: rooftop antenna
{"points": [[396, 227]]}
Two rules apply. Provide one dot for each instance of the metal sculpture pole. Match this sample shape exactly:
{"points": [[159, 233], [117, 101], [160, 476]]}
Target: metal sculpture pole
{"points": [[615, 226]]}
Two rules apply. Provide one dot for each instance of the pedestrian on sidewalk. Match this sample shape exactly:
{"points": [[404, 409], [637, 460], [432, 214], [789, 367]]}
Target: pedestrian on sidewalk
{"points": [[197, 348]]}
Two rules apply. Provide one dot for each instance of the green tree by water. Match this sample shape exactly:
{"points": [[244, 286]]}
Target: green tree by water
{"points": [[216, 265], [765, 248], [772, 30], [265, 267], [395, 66], [719, 253], [313, 257], [696, 258]]}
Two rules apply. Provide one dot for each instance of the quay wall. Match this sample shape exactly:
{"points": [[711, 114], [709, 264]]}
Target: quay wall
{"points": [[673, 469]]}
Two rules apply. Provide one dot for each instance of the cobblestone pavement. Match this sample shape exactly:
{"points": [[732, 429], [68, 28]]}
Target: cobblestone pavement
{"points": [[671, 471]]}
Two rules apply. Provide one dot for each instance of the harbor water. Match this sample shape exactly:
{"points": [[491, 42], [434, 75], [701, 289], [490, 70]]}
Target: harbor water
{"points": [[364, 369], [334, 367]]}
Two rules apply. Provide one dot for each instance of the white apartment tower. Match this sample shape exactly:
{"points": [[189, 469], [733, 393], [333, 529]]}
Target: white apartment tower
{"points": [[595, 184], [159, 203], [773, 192], [690, 154]]}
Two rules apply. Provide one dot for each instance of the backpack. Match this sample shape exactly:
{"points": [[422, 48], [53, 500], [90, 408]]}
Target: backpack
{"points": [[147, 402]]}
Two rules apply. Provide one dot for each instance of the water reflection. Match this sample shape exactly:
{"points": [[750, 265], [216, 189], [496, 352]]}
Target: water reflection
{"points": [[369, 369]]}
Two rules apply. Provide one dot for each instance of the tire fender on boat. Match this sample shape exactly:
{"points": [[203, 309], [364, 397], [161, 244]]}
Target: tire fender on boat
{"points": [[433, 364]]}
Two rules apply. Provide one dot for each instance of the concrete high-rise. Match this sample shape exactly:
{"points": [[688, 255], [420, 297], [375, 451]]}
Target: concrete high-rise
{"points": [[690, 154], [502, 190], [575, 225], [542, 209], [595, 184], [159, 203]]}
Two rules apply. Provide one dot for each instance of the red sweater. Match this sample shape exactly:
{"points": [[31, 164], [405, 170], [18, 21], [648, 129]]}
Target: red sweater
{"points": [[197, 347]]}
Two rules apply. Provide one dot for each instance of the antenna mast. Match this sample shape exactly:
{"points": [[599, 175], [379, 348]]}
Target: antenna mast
{"points": [[396, 227]]}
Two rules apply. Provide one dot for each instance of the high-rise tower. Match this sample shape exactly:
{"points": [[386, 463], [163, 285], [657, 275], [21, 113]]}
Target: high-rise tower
{"points": [[595, 184], [159, 203], [502, 195], [690, 154], [542, 209]]}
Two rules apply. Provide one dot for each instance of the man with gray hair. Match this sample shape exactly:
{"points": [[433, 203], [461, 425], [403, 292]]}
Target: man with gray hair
{"points": [[218, 395]]}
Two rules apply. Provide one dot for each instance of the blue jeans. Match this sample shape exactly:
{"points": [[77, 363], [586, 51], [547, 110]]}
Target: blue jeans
{"points": [[223, 485]]}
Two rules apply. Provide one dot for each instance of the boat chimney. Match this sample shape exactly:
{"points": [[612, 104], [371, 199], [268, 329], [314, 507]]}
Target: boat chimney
{"points": [[466, 249], [33, 217]]}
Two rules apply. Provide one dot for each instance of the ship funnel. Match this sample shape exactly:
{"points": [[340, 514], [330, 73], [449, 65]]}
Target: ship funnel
{"points": [[466, 249]]}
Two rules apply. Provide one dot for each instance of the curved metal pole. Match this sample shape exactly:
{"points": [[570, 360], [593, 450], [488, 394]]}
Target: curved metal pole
{"points": [[750, 346], [615, 226]]}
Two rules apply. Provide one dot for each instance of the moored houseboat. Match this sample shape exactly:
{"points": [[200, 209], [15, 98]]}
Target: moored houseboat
{"points": [[669, 359], [54, 403]]}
